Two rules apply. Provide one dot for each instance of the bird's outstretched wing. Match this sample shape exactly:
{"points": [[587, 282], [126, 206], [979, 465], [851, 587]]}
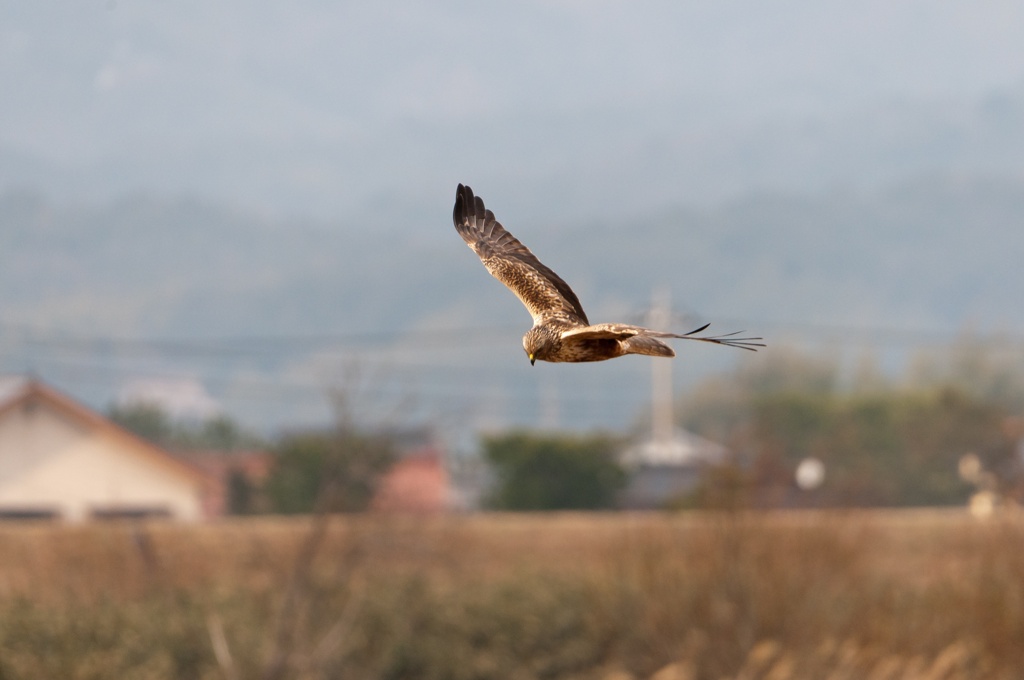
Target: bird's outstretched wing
{"points": [[509, 261], [621, 331]]}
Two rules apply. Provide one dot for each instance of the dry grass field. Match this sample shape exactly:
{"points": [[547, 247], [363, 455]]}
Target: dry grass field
{"points": [[860, 595]]}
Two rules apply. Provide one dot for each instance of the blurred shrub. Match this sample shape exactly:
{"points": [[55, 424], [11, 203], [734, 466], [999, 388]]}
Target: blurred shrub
{"points": [[709, 596], [332, 471], [883, 442], [553, 472]]}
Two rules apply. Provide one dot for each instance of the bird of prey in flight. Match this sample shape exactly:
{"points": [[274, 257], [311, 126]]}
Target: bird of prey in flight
{"points": [[561, 331]]}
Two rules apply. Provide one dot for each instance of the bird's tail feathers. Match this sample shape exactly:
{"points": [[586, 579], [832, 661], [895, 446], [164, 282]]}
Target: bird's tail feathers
{"points": [[645, 344]]}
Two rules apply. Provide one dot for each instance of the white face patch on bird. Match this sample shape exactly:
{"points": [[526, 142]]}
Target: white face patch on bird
{"points": [[535, 344], [529, 353]]}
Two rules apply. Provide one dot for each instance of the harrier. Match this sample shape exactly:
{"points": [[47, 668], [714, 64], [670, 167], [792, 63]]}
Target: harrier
{"points": [[561, 331]]}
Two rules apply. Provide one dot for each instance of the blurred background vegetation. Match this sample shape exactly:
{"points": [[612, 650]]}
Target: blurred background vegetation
{"points": [[883, 441]]}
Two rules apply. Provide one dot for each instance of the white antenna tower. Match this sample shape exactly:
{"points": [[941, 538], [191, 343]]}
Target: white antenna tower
{"points": [[660, 317]]}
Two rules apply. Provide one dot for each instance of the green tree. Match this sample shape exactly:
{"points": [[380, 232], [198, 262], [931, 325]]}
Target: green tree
{"points": [[553, 472], [883, 442], [145, 420], [333, 472], [241, 496], [154, 424], [897, 447], [222, 434]]}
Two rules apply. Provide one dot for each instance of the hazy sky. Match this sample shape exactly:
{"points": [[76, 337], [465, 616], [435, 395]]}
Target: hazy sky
{"points": [[328, 107], [365, 115]]}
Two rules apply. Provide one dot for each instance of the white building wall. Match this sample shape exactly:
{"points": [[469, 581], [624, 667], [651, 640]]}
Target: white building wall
{"points": [[48, 461], [30, 435]]}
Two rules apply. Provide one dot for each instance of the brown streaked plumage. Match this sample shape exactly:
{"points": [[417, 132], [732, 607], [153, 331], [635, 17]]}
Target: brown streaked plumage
{"points": [[561, 331]]}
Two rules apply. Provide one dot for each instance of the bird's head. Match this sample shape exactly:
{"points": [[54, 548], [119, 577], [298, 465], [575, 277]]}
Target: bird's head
{"points": [[539, 343]]}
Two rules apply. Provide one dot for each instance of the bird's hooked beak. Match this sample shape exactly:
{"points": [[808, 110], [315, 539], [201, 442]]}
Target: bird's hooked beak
{"points": [[533, 359]]}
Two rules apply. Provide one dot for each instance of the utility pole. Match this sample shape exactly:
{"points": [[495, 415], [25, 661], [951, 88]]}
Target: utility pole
{"points": [[659, 318]]}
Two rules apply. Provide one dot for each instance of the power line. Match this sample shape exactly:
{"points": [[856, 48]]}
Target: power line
{"points": [[247, 344], [392, 339]]}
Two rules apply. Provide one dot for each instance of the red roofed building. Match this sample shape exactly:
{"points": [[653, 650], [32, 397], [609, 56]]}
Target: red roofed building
{"points": [[417, 483]]}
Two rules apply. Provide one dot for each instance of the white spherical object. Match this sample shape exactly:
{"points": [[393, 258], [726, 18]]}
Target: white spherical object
{"points": [[810, 473]]}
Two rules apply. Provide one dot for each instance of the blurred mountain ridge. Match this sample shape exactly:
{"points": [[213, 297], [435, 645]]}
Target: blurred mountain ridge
{"points": [[932, 253]]}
